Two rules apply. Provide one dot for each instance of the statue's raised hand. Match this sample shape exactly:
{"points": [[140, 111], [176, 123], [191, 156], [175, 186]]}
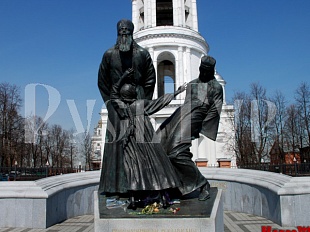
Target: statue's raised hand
{"points": [[180, 89]]}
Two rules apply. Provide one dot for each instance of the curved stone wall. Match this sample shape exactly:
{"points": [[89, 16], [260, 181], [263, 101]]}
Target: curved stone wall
{"points": [[280, 198], [40, 204]]}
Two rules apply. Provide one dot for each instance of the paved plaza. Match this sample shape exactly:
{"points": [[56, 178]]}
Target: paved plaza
{"points": [[233, 222]]}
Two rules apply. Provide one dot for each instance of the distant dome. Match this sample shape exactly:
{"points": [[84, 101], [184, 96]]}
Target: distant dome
{"points": [[219, 78]]}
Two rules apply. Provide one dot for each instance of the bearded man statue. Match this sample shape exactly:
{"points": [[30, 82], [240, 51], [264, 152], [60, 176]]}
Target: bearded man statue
{"points": [[126, 54]]}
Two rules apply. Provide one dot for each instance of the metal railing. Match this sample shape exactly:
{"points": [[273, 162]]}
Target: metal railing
{"points": [[295, 169], [30, 174]]}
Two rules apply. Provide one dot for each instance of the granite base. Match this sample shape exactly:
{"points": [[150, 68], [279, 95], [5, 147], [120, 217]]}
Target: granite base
{"points": [[194, 216]]}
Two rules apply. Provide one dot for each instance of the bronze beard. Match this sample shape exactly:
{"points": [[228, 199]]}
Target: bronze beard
{"points": [[124, 42]]}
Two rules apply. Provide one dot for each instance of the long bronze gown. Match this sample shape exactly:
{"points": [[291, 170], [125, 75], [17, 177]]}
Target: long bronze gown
{"points": [[114, 64], [147, 166]]}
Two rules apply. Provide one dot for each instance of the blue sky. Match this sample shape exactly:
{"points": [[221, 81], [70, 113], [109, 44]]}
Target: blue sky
{"points": [[60, 44]]}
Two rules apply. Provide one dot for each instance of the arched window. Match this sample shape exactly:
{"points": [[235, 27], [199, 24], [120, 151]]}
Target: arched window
{"points": [[164, 13], [165, 77], [165, 73]]}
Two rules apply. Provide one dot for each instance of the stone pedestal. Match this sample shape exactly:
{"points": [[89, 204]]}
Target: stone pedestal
{"points": [[201, 162], [224, 163], [194, 216]]}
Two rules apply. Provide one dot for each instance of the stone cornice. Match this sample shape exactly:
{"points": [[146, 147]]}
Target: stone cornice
{"points": [[172, 35]]}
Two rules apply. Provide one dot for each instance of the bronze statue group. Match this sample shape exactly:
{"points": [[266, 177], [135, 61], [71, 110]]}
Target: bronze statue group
{"points": [[137, 160]]}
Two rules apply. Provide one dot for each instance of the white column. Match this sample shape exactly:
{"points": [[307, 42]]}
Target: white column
{"points": [[135, 15], [224, 94], [194, 15], [145, 14], [179, 14], [153, 15], [148, 13], [202, 148], [211, 150], [175, 5], [179, 76], [182, 14], [188, 76], [151, 51]]}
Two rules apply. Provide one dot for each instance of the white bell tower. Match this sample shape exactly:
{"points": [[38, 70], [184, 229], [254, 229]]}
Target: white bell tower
{"points": [[169, 30]]}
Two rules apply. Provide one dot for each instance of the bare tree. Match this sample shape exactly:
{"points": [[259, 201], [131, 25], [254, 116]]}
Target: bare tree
{"points": [[48, 145], [36, 129], [87, 149], [303, 104], [279, 123], [253, 125], [292, 127], [56, 145], [19, 148], [242, 125], [72, 147], [65, 152], [10, 103], [260, 123], [262, 114]]}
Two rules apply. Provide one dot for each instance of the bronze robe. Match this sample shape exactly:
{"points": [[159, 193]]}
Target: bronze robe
{"points": [[112, 67], [200, 113]]}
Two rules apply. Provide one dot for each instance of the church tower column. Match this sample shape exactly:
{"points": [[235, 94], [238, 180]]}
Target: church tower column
{"points": [[224, 93], [194, 15], [195, 149], [220, 79], [188, 73], [202, 151], [135, 14], [175, 4], [151, 51], [147, 14], [211, 149], [182, 14], [153, 12], [178, 13], [180, 71]]}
